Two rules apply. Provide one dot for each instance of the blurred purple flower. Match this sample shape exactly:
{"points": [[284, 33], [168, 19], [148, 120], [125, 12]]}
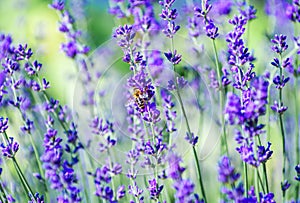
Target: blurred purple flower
{"points": [[10, 149], [227, 173], [267, 198], [58, 5], [280, 44]]}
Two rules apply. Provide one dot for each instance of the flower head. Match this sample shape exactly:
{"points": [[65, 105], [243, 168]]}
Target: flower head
{"points": [[280, 44], [227, 173]]}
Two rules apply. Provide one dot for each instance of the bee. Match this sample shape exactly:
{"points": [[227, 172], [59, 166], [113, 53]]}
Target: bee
{"points": [[141, 97]]}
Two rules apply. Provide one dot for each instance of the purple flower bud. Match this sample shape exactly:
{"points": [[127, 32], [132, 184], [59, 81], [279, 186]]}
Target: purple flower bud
{"points": [[276, 63], [184, 190], [52, 105], [46, 84], [285, 185], [247, 154], [280, 44], [168, 14], [227, 173], [3, 124], [263, 153], [35, 86], [117, 11], [135, 190], [23, 53], [154, 189], [280, 82], [267, 198], [70, 49], [292, 11], [297, 168], [121, 192], [223, 7], [10, 149], [279, 108], [211, 30], [171, 30], [151, 114], [191, 138], [249, 13], [174, 170], [174, 58], [28, 126], [58, 5]]}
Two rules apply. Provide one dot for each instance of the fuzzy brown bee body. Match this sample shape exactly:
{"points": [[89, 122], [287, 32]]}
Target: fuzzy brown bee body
{"points": [[140, 97]]}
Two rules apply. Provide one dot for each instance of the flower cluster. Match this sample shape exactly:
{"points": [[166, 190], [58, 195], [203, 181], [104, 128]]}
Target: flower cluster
{"points": [[168, 14], [164, 119], [184, 187], [212, 31], [229, 176]]}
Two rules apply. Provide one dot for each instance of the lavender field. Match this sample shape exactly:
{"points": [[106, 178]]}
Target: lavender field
{"points": [[143, 101]]}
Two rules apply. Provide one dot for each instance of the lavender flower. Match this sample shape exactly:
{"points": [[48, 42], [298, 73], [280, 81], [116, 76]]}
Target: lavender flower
{"points": [[151, 114], [174, 58], [124, 35], [223, 7], [168, 14], [136, 191], [285, 185], [211, 30], [264, 153], [292, 11], [279, 108], [154, 190], [249, 12], [58, 5], [227, 173], [235, 194], [10, 149], [280, 44], [184, 187], [181, 83], [170, 114], [267, 198]]}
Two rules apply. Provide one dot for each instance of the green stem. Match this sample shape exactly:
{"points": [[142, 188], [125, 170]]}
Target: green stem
{"points": [[156, 157], [221, 98], [283, 148], [264, 169], [266, 176], [194, 150], [282, 128], [3, 193], [199, 174], [36, 153], [189, 130], [23, 177], [256, 185], [27, 192], [246, 178], [297, 130], [24, 182], [84, 183], [260, 180]]}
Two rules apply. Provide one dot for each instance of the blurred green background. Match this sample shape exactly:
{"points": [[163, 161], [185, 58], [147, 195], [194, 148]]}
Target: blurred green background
{"points": [[35, 23]]}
